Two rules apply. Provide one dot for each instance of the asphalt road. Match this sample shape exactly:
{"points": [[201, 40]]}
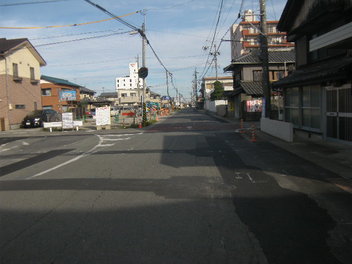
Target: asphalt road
{"points": [[186, 190]]}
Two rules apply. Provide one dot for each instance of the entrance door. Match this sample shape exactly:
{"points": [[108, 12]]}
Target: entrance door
{"points": [[339, 112]]}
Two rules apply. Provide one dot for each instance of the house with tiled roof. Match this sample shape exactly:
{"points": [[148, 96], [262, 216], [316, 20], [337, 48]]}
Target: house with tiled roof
{"points": [[20, 73], [246, 97], [318, 94]]}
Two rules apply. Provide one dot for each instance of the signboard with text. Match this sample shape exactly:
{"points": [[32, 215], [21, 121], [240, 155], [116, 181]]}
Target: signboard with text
{"points": [[68, 95], [67, 120], [102, 115]]}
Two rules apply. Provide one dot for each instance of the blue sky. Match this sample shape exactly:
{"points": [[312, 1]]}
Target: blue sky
{"points": [[177, 30]]}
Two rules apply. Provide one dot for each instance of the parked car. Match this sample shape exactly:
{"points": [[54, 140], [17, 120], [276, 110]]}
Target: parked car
{"points": [[90, 113], [37, 117]]}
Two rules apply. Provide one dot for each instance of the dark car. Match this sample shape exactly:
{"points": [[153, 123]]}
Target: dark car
{"points": [[36, 118]]}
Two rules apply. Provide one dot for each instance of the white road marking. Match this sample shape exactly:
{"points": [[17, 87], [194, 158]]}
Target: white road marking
{"points": [[7, 149], [24, 143], [89, 152], [116, 139], [238, 176], [250, 178]]}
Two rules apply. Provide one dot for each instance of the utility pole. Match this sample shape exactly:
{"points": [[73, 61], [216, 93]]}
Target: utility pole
{"points": [[215, 54], [167, 83], [195, 87], [265, 60]]}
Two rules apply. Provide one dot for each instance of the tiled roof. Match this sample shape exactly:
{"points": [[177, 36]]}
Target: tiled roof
{"points": [[108, 95], [332, 70], [7, 44], [58, 81], [249, 88], [252, 88], [274, 57], [86, 90]]}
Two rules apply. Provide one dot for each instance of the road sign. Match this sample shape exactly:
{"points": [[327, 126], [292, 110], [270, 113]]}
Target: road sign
{"points": [[143, 72]]}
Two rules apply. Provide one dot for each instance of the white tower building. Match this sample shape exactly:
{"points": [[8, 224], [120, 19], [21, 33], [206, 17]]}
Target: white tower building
{"points": [[129, 89]]}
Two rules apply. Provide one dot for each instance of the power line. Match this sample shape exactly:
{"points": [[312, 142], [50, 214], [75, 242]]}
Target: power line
{"points": [[170, 7], [75, 34], [33, 2], [218, 48], [73, 40], [73, 25], [213, 38], [140, 31]]}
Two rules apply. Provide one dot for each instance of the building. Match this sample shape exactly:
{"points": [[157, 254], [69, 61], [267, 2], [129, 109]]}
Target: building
{"points": [[130, 88], [318, 95], [245, 36], [112, 97], [59, 94], [20, 73], [86, 94], [246, 97], [207, 87]]}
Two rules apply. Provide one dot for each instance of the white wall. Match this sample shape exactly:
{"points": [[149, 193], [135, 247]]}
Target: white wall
{"points": [[279, 129], [211, 105]]}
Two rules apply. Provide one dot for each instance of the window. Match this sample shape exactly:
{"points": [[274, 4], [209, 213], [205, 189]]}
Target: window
{"points": [[16, 77], [311, 98], [15, 70], [292, 106], [257, 76], [46, 92], [31, 69], [303, 107], [20, 106], [276, 75], [47, 107], [35, 106]]}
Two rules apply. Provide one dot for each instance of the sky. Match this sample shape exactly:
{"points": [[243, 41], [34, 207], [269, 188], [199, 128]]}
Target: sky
{"points": [[94, 55]]}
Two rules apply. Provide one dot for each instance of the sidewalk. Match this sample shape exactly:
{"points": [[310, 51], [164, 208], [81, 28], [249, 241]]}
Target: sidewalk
{"points": [[333, 156]]}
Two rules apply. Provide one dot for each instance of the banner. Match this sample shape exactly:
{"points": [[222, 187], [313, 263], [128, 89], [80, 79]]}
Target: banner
{"points": [[68, 95], [254, 105]]}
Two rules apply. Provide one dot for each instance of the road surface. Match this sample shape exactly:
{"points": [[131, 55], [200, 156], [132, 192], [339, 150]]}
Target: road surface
{"points": [[186, 190]]}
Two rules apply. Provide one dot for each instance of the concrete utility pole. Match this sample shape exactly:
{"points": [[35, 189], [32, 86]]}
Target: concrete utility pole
{"points": [[215, 54], [265, 60], [196, 84]]}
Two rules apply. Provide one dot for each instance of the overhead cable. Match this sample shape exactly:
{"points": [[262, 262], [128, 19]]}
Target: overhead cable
{"points": [[73, 40], [72, 25], [221, 41], [31, 3], [140, 31]]}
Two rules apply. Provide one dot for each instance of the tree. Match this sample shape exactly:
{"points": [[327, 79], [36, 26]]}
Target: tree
{"points": [[218, 92]]}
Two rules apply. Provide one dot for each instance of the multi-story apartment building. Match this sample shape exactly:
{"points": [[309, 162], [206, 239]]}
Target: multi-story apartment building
{"points": [[19, 81], [245, 36], [130, 88]]}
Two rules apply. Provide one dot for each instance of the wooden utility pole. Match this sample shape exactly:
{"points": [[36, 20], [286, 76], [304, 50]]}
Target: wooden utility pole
{"points": [[265, 60]]}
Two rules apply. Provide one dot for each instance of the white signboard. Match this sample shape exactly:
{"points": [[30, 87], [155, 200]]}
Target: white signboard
{"points": [[102, 115], [67, 120]]}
